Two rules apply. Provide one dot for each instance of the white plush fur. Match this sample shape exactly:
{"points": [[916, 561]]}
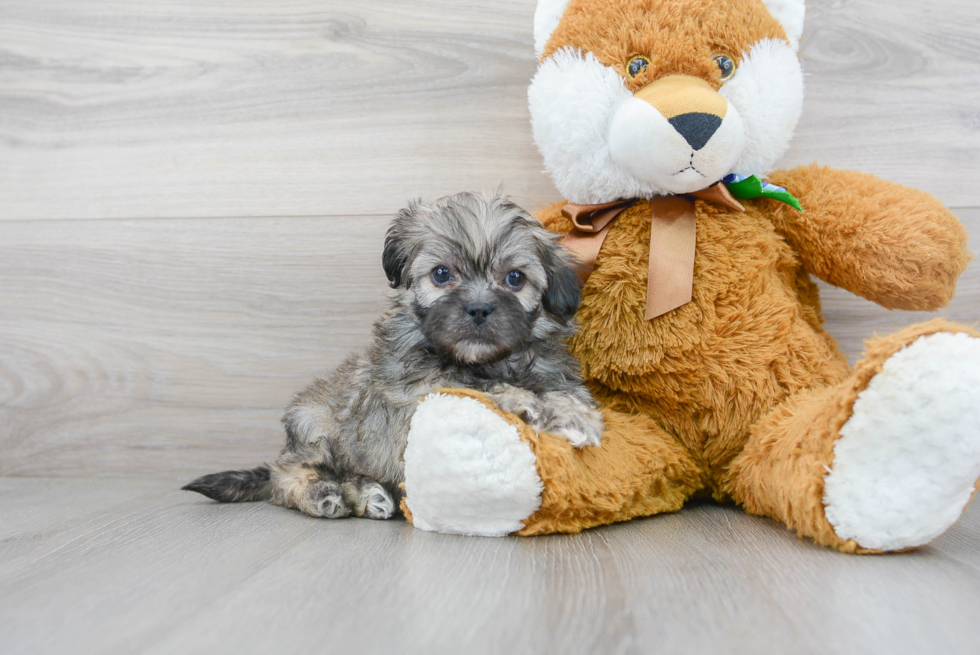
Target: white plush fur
{"points": [[767, 91], [907, 461], [599, 144], [647, 146], [467, 471], [546, 18], [791, 14], [572, 100]]}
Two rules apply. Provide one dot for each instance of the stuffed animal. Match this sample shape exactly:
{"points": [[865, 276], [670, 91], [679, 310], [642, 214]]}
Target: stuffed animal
{"points": [[700, 329]]}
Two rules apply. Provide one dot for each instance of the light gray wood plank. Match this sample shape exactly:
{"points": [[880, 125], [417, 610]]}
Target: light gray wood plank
{"points": [[265, 108], [171, 346], [167, 345], [122, 566], [178, 108], [892, 90]]}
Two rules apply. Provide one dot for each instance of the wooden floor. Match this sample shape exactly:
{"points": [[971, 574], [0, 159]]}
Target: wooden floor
{"points": [[127, 566], [193, 196]]}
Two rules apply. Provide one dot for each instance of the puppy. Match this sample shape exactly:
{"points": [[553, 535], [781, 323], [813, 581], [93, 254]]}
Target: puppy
{"points": [[483, 298]]}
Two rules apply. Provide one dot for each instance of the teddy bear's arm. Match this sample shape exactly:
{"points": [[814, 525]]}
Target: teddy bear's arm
{"points": [[896, 246]]}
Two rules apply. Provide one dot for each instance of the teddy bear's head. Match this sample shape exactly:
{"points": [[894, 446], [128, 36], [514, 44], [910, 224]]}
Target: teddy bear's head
{"points": [[640, 98]]}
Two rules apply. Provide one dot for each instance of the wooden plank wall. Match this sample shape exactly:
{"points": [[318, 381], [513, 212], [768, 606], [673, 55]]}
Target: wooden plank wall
{"points": [[193, 194]]}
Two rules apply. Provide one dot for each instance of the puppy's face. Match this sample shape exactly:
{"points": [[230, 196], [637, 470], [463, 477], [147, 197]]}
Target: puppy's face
{"points": [[483, 277]]}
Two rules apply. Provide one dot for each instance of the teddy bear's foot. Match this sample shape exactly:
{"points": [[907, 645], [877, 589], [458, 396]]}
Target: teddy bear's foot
{"points": [[908, 459], [886, 459], [467, 471], [471, 468]]}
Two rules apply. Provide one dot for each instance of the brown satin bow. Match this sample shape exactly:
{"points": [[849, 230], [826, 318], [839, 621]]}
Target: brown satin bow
{"points": [[673, 234]]}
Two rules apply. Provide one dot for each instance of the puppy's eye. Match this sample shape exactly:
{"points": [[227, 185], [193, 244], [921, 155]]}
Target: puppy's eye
{"points": [[637, 65], [725, 65], [515, 280], [440, 276]]}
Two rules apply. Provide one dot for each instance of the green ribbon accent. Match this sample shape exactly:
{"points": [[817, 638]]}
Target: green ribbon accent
{"points": [[753, 187]]}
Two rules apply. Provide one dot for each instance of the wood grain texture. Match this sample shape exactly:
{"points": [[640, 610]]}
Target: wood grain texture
{"points": [[250, 154], [307, 108], [124, 566], [892, 90], [260, 108], [132, 346], [171, 346]]}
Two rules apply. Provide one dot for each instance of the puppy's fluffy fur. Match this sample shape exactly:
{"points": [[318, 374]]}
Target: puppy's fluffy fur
{"points": [[484, 298]]}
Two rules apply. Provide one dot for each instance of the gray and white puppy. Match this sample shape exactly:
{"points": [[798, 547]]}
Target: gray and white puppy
{"points": [[484, 299]]}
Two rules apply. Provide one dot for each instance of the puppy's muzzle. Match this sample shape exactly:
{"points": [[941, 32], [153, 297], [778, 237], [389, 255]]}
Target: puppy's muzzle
{"points": [[689, 104], [479, 312]]}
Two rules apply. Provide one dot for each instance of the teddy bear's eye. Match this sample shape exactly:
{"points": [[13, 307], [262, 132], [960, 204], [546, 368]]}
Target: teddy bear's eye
{"points": [[725, 65], [637, 65]]}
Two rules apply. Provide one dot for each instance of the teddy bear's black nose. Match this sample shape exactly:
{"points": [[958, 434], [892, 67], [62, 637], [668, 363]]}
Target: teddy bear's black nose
{"points": [[696, 128]]}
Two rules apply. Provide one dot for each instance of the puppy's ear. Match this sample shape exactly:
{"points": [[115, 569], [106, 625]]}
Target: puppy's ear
{"points": [[564, 293], [395, 256]]}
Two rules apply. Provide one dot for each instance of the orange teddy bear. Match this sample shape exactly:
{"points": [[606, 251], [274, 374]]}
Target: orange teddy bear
{"points": [[700, 330]]}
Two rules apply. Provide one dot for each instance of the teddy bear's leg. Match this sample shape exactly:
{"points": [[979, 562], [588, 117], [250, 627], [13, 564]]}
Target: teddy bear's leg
{"points": [[473, 469], [886, 460]]}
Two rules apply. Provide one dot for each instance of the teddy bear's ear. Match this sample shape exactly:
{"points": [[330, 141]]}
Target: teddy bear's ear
{"points": [[546, 18], [790, 13]]}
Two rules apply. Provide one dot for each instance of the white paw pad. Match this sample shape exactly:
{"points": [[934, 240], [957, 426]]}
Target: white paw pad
{"points": [[467, 471], [908, 459]]}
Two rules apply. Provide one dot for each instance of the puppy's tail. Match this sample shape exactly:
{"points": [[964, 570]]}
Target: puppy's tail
{"points": [[243, 486]]}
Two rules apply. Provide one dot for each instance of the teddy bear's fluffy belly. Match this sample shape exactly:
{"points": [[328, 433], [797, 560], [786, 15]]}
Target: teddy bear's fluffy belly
{"points": [[750, 338]]}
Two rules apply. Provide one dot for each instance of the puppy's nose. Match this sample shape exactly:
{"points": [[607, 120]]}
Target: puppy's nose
{"points": [[479, 311], [697, 128]]}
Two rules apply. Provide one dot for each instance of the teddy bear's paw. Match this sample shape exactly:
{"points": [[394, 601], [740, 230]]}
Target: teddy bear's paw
{"points": [[908, 459], [467, 471]]}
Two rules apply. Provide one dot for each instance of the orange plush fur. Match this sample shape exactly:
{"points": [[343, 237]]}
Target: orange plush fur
{"points": [[724, 374], [615, 31], [739, 394]]}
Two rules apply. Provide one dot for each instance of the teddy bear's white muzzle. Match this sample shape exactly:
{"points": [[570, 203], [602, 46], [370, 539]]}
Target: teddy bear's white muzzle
{"points": [[687, 153]]}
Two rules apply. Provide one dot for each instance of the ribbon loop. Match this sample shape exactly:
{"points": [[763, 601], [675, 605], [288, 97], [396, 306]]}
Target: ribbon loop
{"points": [[673, 237], [592, 223], [720, 195], [593, 218]]}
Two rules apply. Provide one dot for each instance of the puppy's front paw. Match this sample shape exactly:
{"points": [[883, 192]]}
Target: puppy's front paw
{"points": [[525, 405], [578, 438], [580, 433], [579, 424]]}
